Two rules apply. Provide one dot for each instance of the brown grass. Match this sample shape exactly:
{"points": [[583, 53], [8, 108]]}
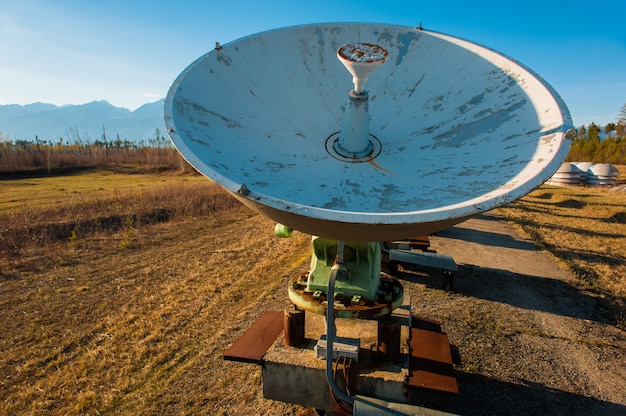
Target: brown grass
{"points": [[94, 326], [26, 158], [102, 315], [89, 206]]}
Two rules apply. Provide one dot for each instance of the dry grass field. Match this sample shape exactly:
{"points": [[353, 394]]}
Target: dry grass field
{"points": [[119, 292]]}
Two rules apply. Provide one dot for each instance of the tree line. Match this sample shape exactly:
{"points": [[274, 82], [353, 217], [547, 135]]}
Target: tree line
{"points": [[47, 156], [601, 145], [589, 147]]}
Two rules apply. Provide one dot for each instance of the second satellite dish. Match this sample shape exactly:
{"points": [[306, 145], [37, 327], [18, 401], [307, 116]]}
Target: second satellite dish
{"points": [[455, 129]]}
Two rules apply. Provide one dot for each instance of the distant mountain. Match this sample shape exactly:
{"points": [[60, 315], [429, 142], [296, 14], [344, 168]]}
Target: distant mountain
{"points": [[83, 122]]}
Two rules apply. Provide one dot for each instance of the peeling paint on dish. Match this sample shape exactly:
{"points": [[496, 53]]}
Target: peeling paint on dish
{"points": [[463, 129]]}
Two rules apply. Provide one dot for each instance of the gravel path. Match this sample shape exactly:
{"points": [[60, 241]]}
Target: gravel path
{"points": [[530, 341]]}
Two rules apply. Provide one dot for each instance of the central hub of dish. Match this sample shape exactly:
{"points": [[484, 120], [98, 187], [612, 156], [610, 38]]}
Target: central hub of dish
{"points": [[354, 143], [361, 59]]}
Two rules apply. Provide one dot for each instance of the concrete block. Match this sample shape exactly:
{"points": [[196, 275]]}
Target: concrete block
{"points": [[296, 375]]}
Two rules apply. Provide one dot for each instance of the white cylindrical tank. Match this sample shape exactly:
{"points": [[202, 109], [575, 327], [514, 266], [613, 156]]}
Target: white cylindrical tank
{"points": [[602, 174], [584, 167], [567, 175]]}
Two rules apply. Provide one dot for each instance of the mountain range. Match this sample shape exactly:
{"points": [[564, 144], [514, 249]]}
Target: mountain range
{"points": [[85, 122]]}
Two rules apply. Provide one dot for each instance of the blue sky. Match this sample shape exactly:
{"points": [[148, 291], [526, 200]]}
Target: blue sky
{"points": [[129, 52]]}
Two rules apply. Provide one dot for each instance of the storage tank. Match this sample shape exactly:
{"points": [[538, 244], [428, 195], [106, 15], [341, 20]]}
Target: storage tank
{"points": [[584, 167], [567, 175], [602, 174]]}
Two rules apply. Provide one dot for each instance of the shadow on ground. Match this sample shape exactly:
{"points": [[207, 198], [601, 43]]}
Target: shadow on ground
{"points": [[505, 399], [546, 295]]}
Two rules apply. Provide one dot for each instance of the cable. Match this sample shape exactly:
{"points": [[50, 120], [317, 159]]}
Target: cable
{"points": [[346, 373], [330, 326]]}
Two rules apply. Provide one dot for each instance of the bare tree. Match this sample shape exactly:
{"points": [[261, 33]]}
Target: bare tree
{"points": [[621, 116]]}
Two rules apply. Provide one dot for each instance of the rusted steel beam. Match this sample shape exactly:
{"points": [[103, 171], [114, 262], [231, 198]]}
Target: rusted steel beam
{"points": [[254, 343], [430, 361]]}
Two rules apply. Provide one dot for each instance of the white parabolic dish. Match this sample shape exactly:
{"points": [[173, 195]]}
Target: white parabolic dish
{"points": [[462, 129]]}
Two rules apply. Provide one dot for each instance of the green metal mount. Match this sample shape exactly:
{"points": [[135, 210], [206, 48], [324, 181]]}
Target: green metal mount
{"points": [[357, 278], [361, 289]]}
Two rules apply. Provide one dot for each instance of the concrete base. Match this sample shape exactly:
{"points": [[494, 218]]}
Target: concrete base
{"points": [[295, 375]]}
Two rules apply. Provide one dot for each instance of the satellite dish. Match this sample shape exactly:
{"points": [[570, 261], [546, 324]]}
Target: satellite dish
{"points": [[454, 129]]}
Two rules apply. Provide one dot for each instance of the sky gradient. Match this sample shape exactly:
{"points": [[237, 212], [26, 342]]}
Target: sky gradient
{"points": [[129, 52]]}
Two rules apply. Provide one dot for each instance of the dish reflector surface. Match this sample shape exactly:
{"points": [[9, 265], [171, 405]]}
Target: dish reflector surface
{"points": [[462, 129]]}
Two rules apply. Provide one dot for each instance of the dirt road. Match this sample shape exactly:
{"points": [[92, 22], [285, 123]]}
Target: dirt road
{"points": [[531, 341]]}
